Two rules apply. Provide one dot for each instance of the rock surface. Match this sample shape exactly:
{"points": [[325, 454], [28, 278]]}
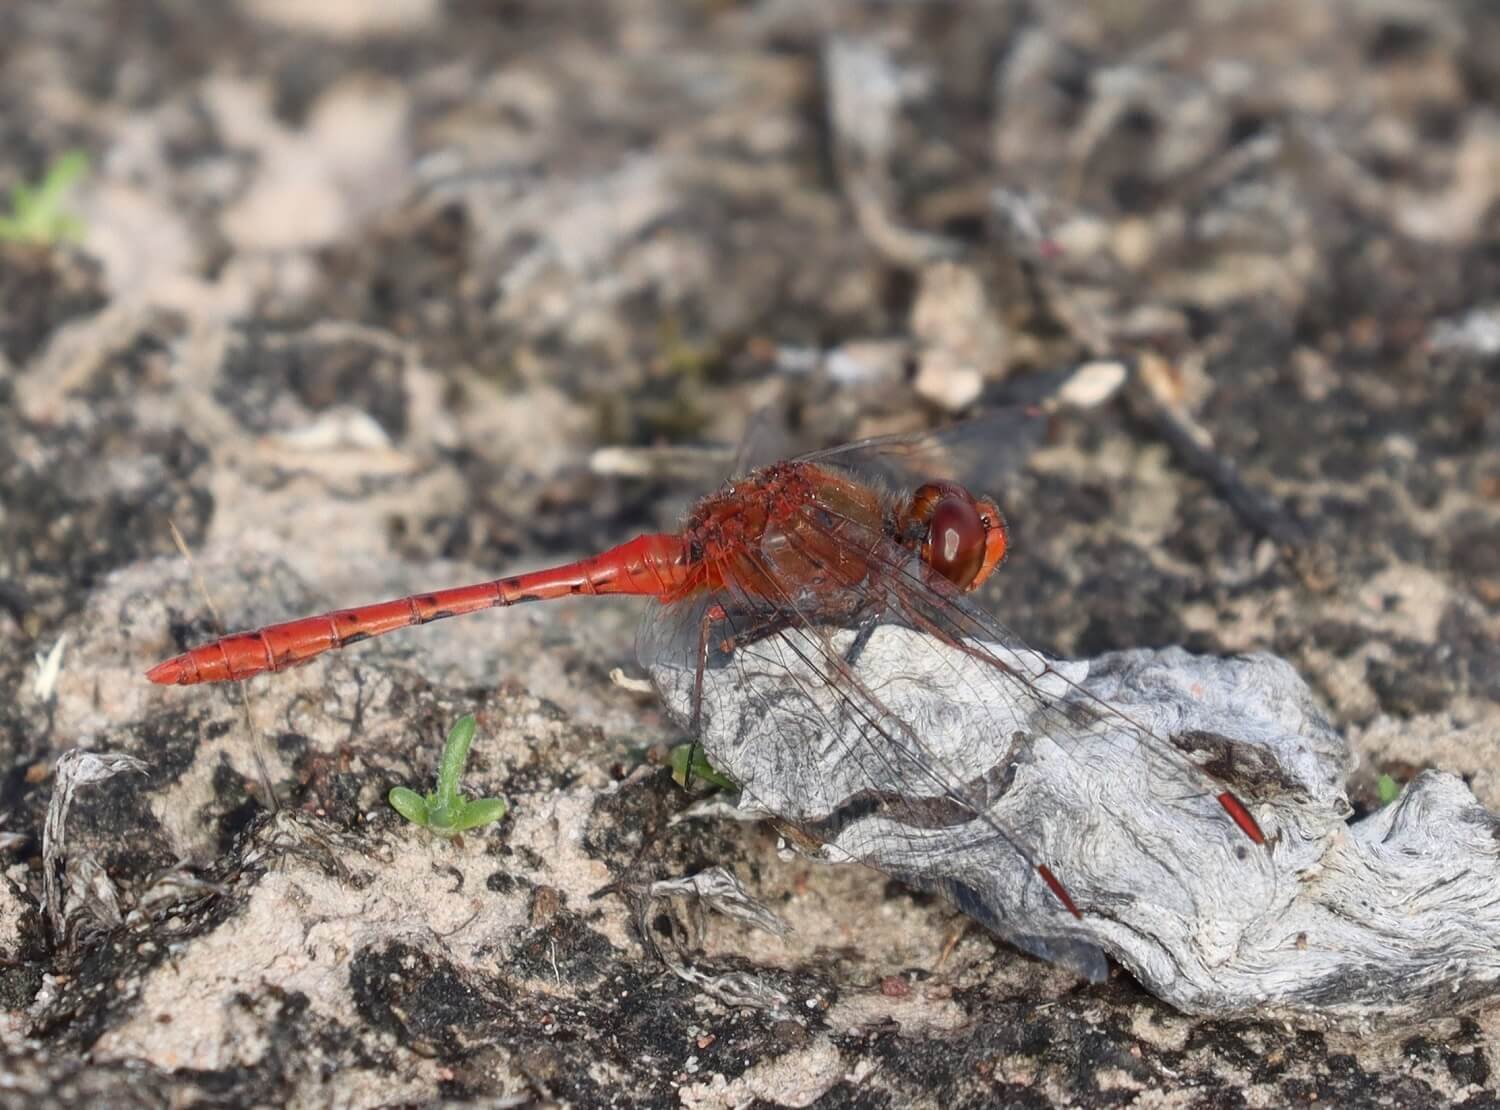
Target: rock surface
{"points": [[1109, 774], [357, 298]]}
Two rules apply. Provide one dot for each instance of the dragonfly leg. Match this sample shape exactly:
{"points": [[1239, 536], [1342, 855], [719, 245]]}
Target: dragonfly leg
{"points": [[861, 639], [711, 615], [725, 645], [731, 640]]}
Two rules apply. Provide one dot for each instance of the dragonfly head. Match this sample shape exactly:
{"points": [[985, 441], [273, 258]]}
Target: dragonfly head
{"points": [[960, 536]]}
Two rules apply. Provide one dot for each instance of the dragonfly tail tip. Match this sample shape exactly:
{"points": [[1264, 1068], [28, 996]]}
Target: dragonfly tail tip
{"points": [[173, 672]]}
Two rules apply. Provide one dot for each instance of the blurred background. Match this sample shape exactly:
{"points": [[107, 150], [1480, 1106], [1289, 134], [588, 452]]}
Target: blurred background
{"points": [[354, 293]]}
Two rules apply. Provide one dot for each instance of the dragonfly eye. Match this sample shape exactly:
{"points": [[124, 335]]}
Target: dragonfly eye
{"points": [[956, 540]]}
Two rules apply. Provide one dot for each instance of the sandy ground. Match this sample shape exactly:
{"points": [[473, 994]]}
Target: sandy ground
{"points": [[361, 288]]}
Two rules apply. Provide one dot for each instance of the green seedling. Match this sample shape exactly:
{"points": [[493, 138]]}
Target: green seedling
{"points": [[689, 763], [36, 212], [1387, 789], [445, 811]]}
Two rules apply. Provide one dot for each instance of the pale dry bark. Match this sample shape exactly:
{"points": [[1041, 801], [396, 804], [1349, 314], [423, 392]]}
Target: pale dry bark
{"points": [[1394, 914]]}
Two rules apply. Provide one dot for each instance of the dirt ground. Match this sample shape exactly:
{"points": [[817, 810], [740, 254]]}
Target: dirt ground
{"points": [[361, 289]]}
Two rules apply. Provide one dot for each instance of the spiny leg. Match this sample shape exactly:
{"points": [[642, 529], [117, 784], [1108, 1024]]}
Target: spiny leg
{"points": [[861, 639], [726, 646], [711, 615]]}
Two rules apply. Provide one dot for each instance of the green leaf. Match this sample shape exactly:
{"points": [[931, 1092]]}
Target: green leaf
{"points": [[455, 756], [481, 812], [446, 812], [409, 804], [1387, 789], [37, 213], [64, 172], [442, 813], [689, 763]]}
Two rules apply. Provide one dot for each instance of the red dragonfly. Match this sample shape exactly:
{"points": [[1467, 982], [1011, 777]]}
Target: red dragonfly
{"points": [[787, 550]]}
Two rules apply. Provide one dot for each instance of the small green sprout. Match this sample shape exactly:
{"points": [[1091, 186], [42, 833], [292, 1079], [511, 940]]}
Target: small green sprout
{"points": [[689, 763], [445, 811], [1387, 789], [37, 214]]}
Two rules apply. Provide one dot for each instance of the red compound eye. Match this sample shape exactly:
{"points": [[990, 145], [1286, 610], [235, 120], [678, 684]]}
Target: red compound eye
{"points": [[956, 538]]}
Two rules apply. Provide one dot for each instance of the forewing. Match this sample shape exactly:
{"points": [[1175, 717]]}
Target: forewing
{"points": [[976, 452], [1025, 688], [900, 725], [829, 737], [766, 440], [992, 444]]}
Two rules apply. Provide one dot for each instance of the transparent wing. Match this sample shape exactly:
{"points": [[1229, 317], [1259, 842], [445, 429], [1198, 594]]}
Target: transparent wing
{"points": [[826, 755], [899, 725], [1023, 687], [766, 439], [973, 452], [994, 442], [831, 745]]}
